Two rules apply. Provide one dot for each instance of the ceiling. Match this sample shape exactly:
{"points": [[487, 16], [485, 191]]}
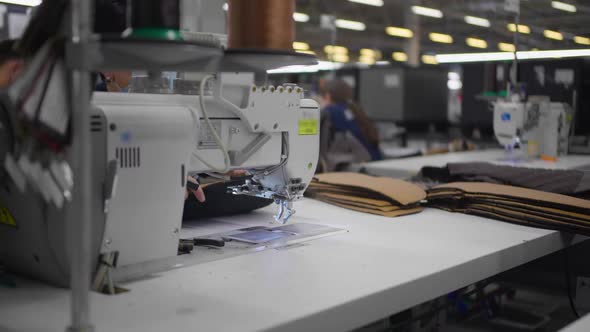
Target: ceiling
{"points": [[537, 14]]}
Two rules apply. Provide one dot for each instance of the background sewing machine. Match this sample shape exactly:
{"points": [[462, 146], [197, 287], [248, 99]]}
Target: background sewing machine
{"points": [[537, 125]]}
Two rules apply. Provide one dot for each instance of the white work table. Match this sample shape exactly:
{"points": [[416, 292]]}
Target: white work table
{"points": [[335, 283], [407, 167], [580, 325]]}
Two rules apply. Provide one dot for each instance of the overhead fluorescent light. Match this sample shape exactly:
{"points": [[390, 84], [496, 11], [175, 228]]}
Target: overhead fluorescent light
{"points": [[368, 60], [399, 32], [350, 25], [382, 63], [322, 65], [340, 57], [564, 6], [429, 59], [425, 11], [399, 56], [300, 46], [504, 56], [553, 54], [440, 38], [482, 22], [582, 40], [525, 29], [474, 57], [376, 3], [553, 34], [331, 49], [476, 42], [506, 47], [300, 17], [30, 3], [369, 52], [306, 52]]}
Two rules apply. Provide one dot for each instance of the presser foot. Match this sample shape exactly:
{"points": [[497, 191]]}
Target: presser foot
{"points": [[285, 210]]}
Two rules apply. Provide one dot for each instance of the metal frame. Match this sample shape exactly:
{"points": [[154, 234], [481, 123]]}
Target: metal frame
{"points": [[79, 237], [82, 57]]}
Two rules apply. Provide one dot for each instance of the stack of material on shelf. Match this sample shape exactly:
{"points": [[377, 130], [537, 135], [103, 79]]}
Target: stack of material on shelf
{"points": [[377, 195], [513, 204]]}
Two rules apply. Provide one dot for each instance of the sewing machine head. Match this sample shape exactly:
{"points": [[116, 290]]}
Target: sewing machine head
{"points": [[275, 137], [145, 145], [537, 124]]}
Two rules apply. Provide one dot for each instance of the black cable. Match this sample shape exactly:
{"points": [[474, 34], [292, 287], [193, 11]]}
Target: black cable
{"points": [[568, 282]]}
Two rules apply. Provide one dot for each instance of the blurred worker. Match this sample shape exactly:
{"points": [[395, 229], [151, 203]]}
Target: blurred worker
{"points": [[114, 81], [111, 20], [11, 63], [345, 116]]}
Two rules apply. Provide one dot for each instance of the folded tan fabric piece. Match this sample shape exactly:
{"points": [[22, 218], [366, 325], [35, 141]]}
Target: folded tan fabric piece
{"points": [[402, 192], [368, 201], [386, 208], [381, 196], [514, 204], [395, 213]]}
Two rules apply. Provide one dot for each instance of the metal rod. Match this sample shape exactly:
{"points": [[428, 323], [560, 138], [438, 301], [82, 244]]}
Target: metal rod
{"points": [[79, 236], [514, 69]]}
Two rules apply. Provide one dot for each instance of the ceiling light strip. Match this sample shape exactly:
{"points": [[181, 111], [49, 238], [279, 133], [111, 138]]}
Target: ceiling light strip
{"points": [[425, 11], [564, 6], [482, 22], [505, 56], [399, 32], [350, 25], [376, 3], [300, 17]]}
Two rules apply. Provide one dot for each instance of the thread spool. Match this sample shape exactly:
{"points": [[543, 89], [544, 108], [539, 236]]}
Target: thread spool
{"points": [[261, 24], [152, 14], [155, 19]]}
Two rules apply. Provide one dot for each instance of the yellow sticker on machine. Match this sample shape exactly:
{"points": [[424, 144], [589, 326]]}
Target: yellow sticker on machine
{"points": [[308, 126], [6, 218]]}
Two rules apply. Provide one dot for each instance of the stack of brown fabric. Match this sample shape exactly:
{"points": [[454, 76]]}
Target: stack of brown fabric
{"points": [[377, 195], [513, 204]]}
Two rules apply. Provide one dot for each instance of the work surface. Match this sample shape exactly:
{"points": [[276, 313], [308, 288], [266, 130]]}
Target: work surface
{"points": [[336, 283], [581, 325], [407, 167]]}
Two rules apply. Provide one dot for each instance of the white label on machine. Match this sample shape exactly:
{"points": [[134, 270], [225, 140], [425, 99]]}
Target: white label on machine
{"points": [[540, 75], [564, 76], [512, 6], [2, 12], [16, 25], [328, 22], [392, 81], [206, 139]]}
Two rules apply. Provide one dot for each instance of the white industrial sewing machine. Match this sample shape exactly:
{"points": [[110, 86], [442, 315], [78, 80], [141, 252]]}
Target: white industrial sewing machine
{"points": [[539, 125], [144, 145]]}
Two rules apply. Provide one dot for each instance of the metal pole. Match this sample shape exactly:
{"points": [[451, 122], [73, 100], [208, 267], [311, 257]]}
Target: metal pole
{"points": [[79, 236], [514, 69], [412, 45]]}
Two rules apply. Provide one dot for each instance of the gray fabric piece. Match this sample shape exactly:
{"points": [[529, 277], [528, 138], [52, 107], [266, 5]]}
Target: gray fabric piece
{"points": [[565, 182], [584, 184]]}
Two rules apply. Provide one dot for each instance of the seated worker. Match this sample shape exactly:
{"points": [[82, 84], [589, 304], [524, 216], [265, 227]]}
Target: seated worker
{"points": [[345, 116], [114, 81], [111, 20], [11, 62]]}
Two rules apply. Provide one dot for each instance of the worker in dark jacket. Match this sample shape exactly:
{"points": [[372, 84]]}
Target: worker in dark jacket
{"points": [[345, 116]]}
